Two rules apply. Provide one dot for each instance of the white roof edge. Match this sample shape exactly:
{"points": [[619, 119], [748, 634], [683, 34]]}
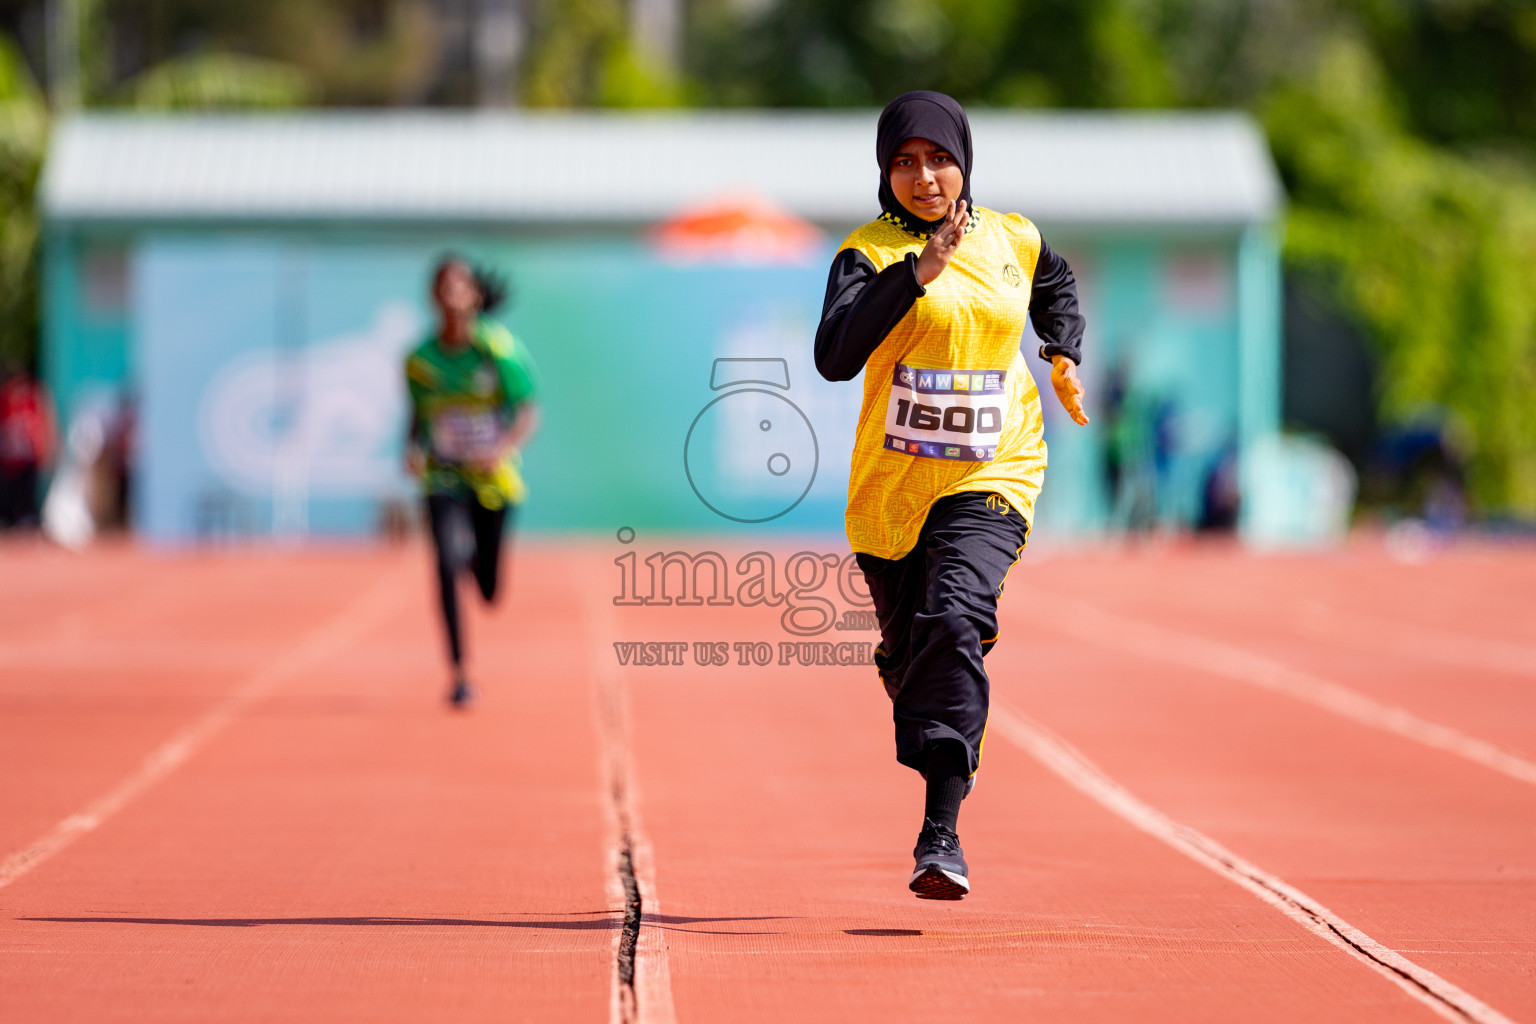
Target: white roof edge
{"points": [[534, 167]]}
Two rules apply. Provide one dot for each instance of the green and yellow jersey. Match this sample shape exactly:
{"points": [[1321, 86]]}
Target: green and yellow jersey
{"points": [[949, 403], [461, 404]]}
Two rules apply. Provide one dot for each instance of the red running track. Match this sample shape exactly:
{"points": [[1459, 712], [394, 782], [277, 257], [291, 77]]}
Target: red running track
{"points": [[232, 792]]}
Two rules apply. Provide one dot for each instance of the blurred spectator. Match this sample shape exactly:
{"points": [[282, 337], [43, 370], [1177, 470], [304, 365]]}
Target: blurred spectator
{"points": [[1419, 471], [113, 485], [1113, 408], [26, 445], [1221, 497], [69, 511], [1131, 454], [1163, 428]]}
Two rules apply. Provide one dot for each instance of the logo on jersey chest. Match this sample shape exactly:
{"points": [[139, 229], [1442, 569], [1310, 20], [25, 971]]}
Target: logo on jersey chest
{"points": [[1011, 274]]}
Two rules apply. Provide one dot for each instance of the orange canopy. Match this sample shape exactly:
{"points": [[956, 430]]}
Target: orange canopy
{"points": [[744, 228]]}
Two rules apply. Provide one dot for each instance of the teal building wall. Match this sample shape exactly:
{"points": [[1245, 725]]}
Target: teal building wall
{"points": [[264, 364]]}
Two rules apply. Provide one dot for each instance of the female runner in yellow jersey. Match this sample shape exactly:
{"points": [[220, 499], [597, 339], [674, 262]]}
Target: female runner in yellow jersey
{"points": [[931, 301]]}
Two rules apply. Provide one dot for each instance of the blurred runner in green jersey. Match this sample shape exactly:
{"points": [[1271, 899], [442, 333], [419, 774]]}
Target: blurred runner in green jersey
{"points": [[472, 410]]}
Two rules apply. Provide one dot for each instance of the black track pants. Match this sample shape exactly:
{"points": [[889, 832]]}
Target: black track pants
{"points": [[937, 607], [448, 515]]}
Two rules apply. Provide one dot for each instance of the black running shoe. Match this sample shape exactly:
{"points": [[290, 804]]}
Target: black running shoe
{"points": [[940, 873], [462, 695]]}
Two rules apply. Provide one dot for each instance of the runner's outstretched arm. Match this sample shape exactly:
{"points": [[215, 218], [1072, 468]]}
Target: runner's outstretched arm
{"points": [[1053, 309]]}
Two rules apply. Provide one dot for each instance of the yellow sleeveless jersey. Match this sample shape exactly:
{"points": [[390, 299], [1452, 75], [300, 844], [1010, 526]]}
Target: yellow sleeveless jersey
{"points": [[949, 404]]}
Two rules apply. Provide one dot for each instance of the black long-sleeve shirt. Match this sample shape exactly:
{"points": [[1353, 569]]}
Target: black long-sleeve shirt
{"points": [[862, 306]]}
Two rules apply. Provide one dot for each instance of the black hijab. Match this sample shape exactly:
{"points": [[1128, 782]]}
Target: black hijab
{"points": [[921, 115]]}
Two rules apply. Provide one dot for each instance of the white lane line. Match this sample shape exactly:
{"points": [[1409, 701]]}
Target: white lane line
{"points": [[646, 998], [1065, 761], [653, 973], [1133, 636], [319, 644], [1423, 642], [94, 655]]}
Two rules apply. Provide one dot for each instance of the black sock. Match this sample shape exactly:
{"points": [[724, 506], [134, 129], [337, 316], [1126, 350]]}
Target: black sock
{"points": [[947, 769]]}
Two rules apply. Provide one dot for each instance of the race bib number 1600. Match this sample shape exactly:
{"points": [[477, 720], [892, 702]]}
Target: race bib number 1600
{"points": [[946, 414]]}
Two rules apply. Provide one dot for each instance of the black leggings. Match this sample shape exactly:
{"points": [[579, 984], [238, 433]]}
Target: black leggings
{"points": [[937, 608], [447, 515]]}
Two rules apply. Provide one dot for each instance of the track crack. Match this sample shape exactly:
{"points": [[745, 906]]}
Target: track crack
{"points": [[634, 907], [1344, 937], [641, 991]]}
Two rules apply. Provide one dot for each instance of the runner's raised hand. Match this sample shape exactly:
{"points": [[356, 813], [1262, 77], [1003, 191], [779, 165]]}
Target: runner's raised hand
{"points": [[942, 244], [1068, 388]]}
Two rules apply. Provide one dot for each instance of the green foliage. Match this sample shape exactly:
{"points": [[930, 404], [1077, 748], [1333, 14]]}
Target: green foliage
{"points": [[631, 80], [23, 139], [1464, 69], [582, 56], [217, 81], [1075, 53], [334, 52], [353, 52], [574, 42], [1434, 251]]}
